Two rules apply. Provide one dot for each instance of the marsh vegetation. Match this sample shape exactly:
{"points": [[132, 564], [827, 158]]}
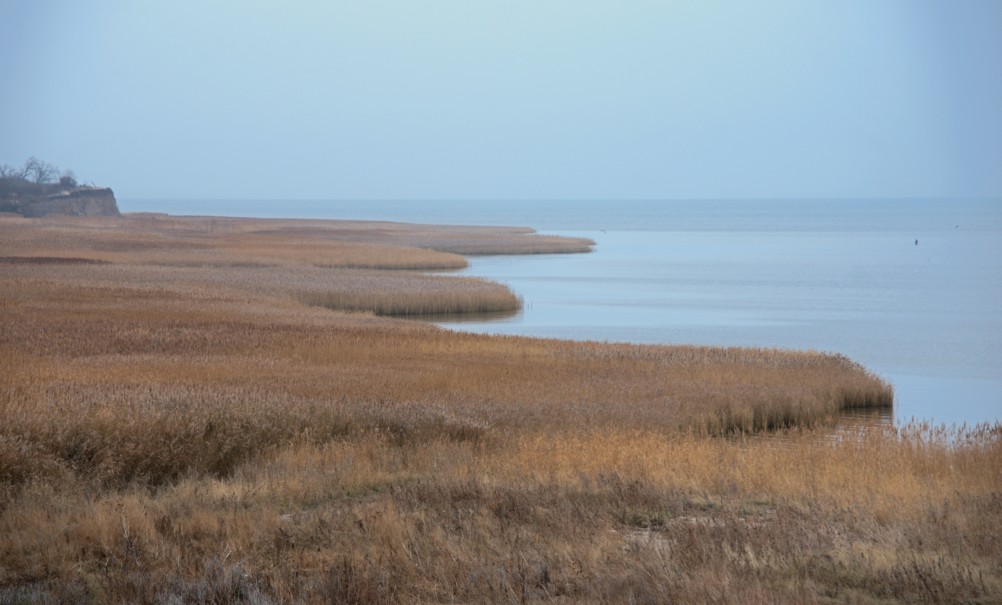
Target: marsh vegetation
{"points": [[191, 412]]}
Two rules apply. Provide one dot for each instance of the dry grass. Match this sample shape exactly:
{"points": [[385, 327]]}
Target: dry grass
{"points": [[595, 517], [153, 239], [200, 242], [197, 434], [447, 297]]}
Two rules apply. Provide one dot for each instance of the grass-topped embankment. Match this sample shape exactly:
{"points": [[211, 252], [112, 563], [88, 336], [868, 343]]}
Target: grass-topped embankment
{"points": [[186, 431]]}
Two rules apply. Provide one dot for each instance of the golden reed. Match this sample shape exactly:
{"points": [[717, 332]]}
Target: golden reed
{"points": [[176, 425]]}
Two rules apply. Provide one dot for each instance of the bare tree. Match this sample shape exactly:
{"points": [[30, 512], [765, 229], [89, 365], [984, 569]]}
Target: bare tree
{"points": [[11, 180], [9, 172], [39, 172], [35, 178]]}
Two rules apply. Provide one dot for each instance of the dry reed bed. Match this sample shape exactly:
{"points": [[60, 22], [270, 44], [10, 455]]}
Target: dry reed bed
{"points": [[459, 239], [180, 434], [201, 242], [379, 292], [105, 417], [409, 298], [508, 382], [602, 517], [317, 262], [167, 240], [105, 330]]}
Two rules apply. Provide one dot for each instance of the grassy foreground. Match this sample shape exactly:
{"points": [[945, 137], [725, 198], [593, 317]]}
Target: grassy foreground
{"points": [[176, 425]]}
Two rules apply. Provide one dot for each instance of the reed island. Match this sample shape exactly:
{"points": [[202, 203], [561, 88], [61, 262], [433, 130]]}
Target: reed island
{"points": [[223, 410]]}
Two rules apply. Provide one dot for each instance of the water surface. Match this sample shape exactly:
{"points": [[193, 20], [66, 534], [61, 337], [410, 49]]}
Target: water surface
{"points": [[910, 288]]}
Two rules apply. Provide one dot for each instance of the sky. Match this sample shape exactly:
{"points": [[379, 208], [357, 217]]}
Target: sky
{"points": [[513, 99]]}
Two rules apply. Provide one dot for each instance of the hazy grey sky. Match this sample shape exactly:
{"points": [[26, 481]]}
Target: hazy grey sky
{"points": [[508, 99]]}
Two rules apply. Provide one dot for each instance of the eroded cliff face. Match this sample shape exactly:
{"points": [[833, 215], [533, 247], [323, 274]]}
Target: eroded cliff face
{"points": [[82, 201]]}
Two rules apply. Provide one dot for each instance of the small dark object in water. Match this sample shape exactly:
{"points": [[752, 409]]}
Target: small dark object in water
{"points": [[916, 242]]}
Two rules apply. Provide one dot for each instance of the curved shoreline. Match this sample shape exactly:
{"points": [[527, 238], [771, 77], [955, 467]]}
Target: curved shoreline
{"points": [[176, 419]]}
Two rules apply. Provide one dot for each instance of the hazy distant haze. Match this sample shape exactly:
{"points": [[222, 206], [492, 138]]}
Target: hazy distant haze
{"points": [[517, 99]]}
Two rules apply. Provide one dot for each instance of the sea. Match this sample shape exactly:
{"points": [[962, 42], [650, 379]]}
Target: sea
{"points": [[910, 288]]}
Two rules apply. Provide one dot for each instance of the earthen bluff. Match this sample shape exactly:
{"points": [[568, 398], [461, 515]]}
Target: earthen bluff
{"points": [[78, 201]]}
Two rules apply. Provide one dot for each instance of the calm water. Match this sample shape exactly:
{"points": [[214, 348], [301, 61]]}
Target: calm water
{"points": [[842, 276]]}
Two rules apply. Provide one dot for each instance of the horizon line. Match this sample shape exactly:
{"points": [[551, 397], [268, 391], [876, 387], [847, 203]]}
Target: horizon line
{"points": [[575, 199]]}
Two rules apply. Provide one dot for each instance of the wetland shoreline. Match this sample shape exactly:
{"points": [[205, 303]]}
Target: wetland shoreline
{"points": [[179, 425]]}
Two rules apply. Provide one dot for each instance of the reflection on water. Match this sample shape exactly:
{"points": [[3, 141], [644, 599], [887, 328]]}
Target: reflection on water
{"points": [[865, 428], [866, 417], [470, 317], [855, 423]]}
